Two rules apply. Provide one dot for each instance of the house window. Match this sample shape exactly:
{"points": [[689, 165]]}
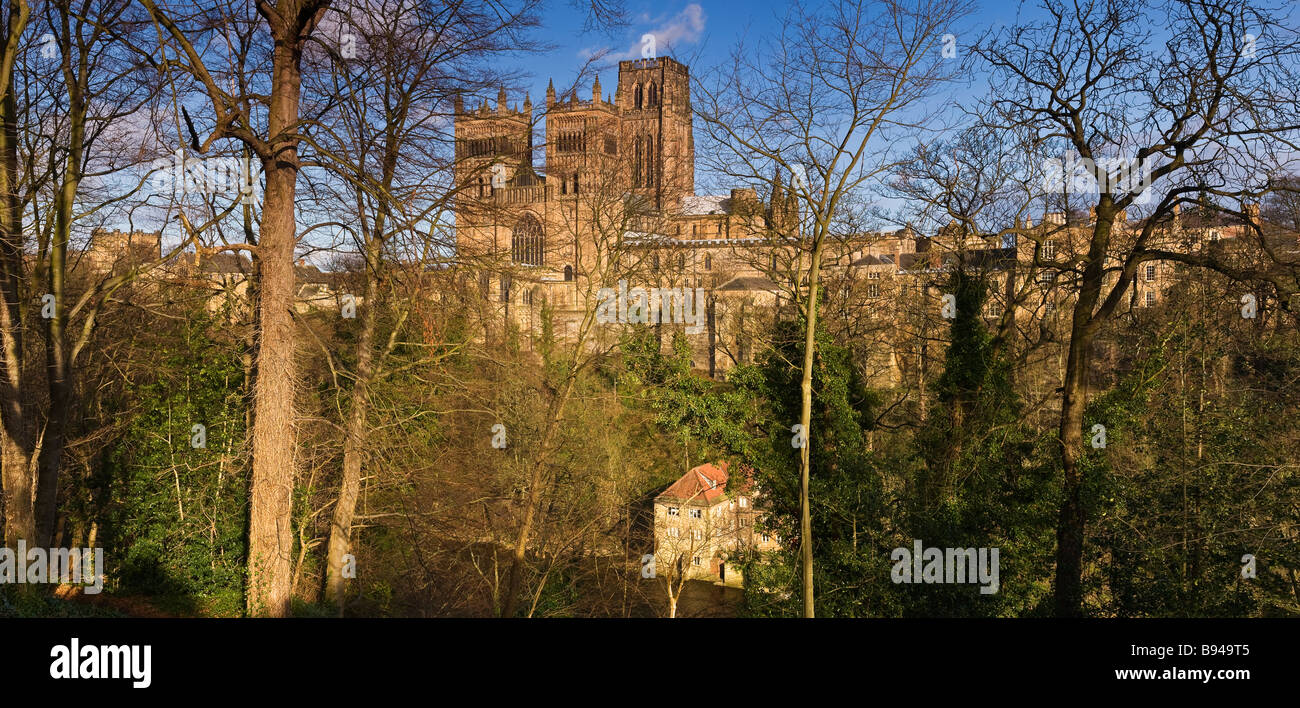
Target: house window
{"points": [[995, 309], [873, 290], [873, 275], [1045, 277], [1049, 249], [1150, 299], [1151, 273], [695, 561], [695, 514], [697, 534], [744, 502], [673, 511], [744, 521], [766, 538], [674, 532], [1050, 307]]}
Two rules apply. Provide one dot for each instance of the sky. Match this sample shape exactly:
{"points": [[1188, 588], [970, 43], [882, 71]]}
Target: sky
{"points": [[703, 30]]}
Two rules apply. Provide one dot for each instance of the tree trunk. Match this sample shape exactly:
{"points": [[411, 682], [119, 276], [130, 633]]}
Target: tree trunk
{"points": [[58, 362], [270, 528], [340, 541], [534, 497], [1069, 529], [1070, 523], [805, 419], [16, 412]]}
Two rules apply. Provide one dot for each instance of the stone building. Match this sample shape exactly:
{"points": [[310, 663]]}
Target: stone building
{"points": [[699, 526], [613, 203]]}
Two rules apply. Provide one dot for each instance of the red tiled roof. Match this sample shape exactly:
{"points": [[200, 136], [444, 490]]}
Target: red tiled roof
{"points": [[706, 483]]}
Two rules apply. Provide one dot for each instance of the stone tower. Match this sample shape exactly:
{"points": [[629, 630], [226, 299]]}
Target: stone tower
{"points": [[655, 101]]}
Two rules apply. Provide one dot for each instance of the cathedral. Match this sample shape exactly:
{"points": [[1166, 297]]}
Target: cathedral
{"points": [[611, 223], [611, 209]]}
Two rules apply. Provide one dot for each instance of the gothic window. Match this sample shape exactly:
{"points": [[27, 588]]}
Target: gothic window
{"points": [[575, 183], [636, 96], [505, 288], [652, 96], [708, 263], [526, 242], [649, 161], [636, 165], [568, 273]]}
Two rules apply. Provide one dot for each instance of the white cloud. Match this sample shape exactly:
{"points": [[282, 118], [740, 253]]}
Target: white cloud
{"points": [[686, 27]]}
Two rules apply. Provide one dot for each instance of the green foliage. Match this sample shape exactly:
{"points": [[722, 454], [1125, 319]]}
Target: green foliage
{"points": [[983, 478], [176, 521]]}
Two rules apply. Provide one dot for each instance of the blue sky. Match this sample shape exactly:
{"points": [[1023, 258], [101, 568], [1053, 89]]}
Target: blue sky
{"points": [[702, 30]]}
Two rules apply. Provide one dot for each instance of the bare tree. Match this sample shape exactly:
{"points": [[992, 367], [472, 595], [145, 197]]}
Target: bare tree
{"points": [[259, 107], [1209, 110], [824, 104]]}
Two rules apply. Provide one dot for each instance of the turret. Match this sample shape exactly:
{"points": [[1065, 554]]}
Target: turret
{"points": [[550, 93]]}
